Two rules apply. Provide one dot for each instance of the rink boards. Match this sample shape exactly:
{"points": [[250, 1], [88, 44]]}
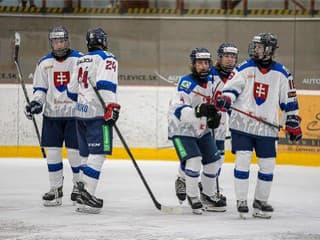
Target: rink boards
{"points": [[143, 124]]}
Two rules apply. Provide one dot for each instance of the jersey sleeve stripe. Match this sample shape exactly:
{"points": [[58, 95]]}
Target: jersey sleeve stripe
{"points": [[72, 96], [106, 85], [40, 89], [177, 112]]}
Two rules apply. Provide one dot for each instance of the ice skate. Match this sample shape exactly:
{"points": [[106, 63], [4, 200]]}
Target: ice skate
{"points": [[195, 204], [87, 203], [261, 209], [74, 194], [221, 196], [53, 197], [213, 203], [180, 187], [242, 207]]}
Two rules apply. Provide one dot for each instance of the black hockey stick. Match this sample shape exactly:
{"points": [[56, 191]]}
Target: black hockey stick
{"points": [[227, 137], [158, 205], [259, 119], [16, 62]]}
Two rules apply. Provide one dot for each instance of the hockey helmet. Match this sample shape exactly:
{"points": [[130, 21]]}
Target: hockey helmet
{"points": [[59, 33], [269, 43], [200, 54], [224, 50], [97, 39]]}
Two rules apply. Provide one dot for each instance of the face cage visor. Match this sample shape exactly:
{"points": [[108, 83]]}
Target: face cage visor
{"points": [[254, 53], [54, 38]]}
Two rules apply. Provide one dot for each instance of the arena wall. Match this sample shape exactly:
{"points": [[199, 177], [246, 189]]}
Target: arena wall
{"points": [[143, 124]]}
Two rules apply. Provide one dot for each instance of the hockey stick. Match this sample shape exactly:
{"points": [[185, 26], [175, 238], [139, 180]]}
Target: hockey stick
{"points": [[16, 62], [259, 119], [226, 138], [158, 205]]}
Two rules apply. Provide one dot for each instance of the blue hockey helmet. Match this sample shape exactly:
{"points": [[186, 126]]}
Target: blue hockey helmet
{"points": [[96, 39], [59, 33], [200, 54], [269, 42]]}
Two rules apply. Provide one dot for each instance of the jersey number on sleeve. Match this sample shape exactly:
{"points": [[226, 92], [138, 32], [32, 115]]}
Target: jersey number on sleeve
{"points": [[111, 65]]}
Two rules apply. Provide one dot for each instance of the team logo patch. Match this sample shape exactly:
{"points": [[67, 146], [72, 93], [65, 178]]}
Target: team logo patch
{"points": [[260, 92], [185, 85], [61, 79]]}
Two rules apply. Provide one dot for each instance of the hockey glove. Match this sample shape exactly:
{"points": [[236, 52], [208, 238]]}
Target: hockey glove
{"points": [[205, 110], [293, 127], [33, 108], [223, 102], [214, 122], [112, 113]]}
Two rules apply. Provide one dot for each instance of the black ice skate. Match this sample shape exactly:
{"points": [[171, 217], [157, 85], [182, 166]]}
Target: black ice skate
{"points": [[242, 207], [213, 203], [195, 204], [262, 209], [180, 186], [218, 194], [53, 197], [86, 202], [75, 193]]}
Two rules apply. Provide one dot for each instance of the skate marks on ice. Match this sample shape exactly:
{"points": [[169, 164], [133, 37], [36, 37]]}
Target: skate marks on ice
{"points": [[130, 214], [12, 229]]}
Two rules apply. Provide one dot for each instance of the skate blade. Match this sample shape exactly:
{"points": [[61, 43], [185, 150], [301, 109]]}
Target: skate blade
{"points": [[260, 214], [54, 203], [244, 215], [198, 211], [215, 209], [87, 209]]}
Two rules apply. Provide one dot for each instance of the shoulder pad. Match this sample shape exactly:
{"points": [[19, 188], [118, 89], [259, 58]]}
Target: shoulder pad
{"points": [[186, 84]]}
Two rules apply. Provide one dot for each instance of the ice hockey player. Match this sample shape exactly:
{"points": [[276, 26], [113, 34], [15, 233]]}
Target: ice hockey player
{"points": [[227, 57], [259, 86], [98, 69], [191, 116], [52, 74]]}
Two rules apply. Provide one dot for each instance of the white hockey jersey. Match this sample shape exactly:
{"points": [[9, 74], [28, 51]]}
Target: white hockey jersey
{"points": [[99, 69], [50, 84], [218, 83], [260, 93], [181, 116]]}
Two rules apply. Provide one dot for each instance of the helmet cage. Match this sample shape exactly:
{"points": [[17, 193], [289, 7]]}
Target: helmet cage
{"points": [[59, 33], [269, 42]]}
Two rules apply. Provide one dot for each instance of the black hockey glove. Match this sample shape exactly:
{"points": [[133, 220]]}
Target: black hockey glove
{"points": [[293, 127], [214, 122], [33, 108], [205, 110]]}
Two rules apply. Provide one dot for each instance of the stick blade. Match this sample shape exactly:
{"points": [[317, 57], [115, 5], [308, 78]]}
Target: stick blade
{"points": [[17, 39], [174, 209]]}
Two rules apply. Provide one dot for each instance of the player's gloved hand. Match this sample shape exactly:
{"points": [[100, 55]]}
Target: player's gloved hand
{"points": [[214, 121], [205, 110], [33, 108], [293, 127], [223, 102], [112, 113]]}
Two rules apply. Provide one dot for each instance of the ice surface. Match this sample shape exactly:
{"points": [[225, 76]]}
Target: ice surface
{"points": [[129, 213]]}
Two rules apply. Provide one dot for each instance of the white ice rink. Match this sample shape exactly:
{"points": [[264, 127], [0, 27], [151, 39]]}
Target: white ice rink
{"points": [[129, 213]]}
